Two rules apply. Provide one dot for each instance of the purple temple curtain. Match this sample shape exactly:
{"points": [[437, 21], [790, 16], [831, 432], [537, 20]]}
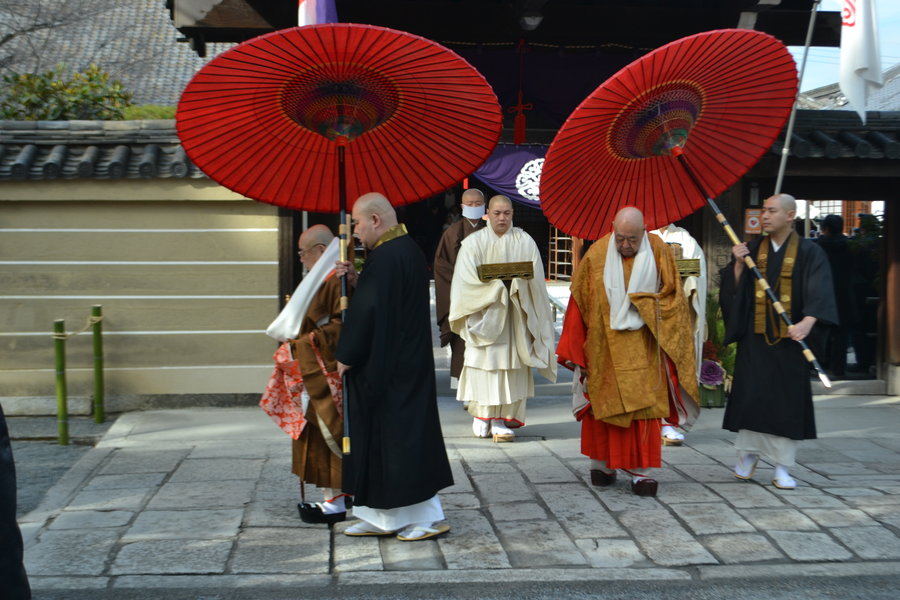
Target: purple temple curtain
{"points": [[515, 171]]}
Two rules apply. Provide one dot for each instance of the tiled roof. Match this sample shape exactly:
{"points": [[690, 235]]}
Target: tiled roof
{"points": [[840, 134], [830, 97], [92, 150], [135, 42], [44, 150]]}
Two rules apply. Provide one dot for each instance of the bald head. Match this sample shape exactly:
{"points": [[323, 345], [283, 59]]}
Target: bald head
{"points": [[629, 216], [500, 214], [373, 215], [317, 234], [498, 199], [473, 197], [778, 216], [786, 201], [628, 231], [312, 244], [374, 203]]}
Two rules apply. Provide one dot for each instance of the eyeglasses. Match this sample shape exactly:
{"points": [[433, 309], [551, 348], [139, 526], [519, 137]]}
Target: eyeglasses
{"points": [[303, 253]]}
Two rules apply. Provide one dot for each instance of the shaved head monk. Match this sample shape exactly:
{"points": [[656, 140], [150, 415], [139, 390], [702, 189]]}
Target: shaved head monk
{"points": [[397, 461], [627, 335]]}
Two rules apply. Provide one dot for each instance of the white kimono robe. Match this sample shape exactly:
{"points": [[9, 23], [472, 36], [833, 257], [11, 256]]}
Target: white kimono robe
{"points": [[694, 287], [507, 331]]}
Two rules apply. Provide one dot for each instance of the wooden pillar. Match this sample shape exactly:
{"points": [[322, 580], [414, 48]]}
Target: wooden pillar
{"points": [[892, 281]]}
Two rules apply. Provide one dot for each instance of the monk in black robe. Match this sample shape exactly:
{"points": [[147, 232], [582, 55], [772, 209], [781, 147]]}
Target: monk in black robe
{"points": [[472, 207], [397, 461], [13, 580], [771, 399]]}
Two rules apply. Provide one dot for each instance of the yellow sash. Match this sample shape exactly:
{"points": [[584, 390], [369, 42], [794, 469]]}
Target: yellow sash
{"points": [[781, 289], [398, 230]]}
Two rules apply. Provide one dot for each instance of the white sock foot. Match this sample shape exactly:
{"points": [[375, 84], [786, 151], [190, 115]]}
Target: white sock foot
{"points": [[783, 479], [498, 427], [670, 433], [481, 428], [746, 466]]}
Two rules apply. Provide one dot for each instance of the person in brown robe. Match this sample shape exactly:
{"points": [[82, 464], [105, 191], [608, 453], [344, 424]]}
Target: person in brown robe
{"points": [[316, 454], [444, 262]]}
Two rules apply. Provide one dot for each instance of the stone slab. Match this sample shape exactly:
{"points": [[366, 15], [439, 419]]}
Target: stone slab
{"points": [[809, 546], [355, 553], [126, 481], [116, 499], [185, 524], [472, 543], [221, 582], [870, 543], [67, 583], [546, 469], [203, 494], [273, 510], [172, 557], [461, 482], [282, 550], [579, 511], [459, 501], [782, 519], [128, 461], [495, 489], [707, 473], [673, 493], [610, 553], [663, 539], [217, 469], [746, 494], [516, 511], [411, 556], [840, 517], [705, 518], [619, 497], [91, 519], [531, 544], [70, 552], [742, 548]]}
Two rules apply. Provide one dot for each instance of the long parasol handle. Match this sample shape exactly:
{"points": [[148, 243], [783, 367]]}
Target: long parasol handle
{"points": [[344, 233], [807, 353]]}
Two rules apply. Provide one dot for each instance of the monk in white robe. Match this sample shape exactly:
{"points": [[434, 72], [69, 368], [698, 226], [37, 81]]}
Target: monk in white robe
{"points": [[695, 287], [506, 325]]}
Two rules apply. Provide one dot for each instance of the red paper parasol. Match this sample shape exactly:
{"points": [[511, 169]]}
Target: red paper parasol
{"points": [[307, 117], [668, 133], [267, 117], [721, 97]]}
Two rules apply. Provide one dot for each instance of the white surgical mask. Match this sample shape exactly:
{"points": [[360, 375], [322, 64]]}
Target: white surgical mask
{"points": [[473, 212]]}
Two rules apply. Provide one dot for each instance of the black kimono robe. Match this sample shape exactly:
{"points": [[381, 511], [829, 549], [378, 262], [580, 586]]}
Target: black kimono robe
{"points": [[771, 391], [397, 455]]}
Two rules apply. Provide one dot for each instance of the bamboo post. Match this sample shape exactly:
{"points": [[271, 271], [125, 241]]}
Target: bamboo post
{"points": [[344, 232], [62, 410], [97, 327]]}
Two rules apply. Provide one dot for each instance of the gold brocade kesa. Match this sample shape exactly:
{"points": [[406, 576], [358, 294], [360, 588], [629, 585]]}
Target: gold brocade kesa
{"points": [[782, 289]]}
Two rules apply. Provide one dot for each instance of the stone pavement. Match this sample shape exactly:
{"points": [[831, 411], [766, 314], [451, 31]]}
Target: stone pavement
{"points": [[204, 498]]}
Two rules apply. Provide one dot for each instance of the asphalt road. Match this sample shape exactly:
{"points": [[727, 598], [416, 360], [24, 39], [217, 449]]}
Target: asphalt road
{"points": [[806, 588]]}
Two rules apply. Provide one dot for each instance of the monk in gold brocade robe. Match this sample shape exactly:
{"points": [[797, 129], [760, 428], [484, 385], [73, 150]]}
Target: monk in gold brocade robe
{"points": [[627, 335]]}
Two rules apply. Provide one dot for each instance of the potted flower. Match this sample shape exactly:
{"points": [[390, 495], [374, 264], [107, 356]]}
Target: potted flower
{"points": [[717, 367]]}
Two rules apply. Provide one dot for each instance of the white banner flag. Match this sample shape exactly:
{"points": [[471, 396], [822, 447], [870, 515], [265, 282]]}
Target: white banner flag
{"points": [[860, 54]]}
